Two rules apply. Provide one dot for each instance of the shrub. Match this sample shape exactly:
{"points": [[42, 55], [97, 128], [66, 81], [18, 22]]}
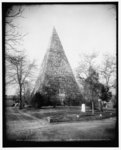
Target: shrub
{"points": [[38, 100]]}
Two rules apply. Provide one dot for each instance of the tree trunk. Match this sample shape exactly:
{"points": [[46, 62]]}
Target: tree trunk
{"points": [[20, 98], [93, 108], [101, 106]]}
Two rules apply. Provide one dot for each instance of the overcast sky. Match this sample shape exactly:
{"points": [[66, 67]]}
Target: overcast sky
{"points": [[81, 28]]}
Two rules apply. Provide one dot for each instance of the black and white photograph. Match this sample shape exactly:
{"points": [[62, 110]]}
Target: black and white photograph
{"points": [[60, 74]]}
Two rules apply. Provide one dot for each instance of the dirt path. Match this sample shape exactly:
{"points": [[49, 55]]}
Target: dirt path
{"points": [[41, 122], [24, 122]]}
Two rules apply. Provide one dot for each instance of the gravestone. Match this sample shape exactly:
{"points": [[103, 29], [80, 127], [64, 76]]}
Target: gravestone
{"points": [[83, 109]]}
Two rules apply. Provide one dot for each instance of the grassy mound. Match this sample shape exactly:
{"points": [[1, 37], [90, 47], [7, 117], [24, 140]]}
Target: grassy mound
{"points": [[82, 117]]}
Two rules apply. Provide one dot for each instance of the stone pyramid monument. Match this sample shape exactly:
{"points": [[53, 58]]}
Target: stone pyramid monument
{"points": [[56, 79]]}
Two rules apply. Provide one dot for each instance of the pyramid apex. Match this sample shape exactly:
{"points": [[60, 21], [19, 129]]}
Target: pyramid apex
{"points": [[54, 30]]}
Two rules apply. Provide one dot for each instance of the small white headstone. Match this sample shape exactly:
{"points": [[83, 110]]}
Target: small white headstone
{"points": [[83, 108]]}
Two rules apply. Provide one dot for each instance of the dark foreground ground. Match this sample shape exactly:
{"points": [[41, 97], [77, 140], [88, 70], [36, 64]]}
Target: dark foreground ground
{"points": [[34, 125]]}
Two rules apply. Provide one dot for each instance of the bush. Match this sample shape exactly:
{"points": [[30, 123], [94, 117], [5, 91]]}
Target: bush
{"points": [[74, 101], [39, 100]]}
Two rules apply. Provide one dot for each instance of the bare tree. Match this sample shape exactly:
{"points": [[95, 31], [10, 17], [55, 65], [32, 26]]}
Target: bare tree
{"points": [[91, 88], [27, 90], [88, 78], [82, 70], [20, 71], [13, 37], [12, 34], [108, 70]]}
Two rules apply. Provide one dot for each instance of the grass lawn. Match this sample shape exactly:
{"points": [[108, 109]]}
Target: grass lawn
{"points": [[91, 130], [32, 125]]}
